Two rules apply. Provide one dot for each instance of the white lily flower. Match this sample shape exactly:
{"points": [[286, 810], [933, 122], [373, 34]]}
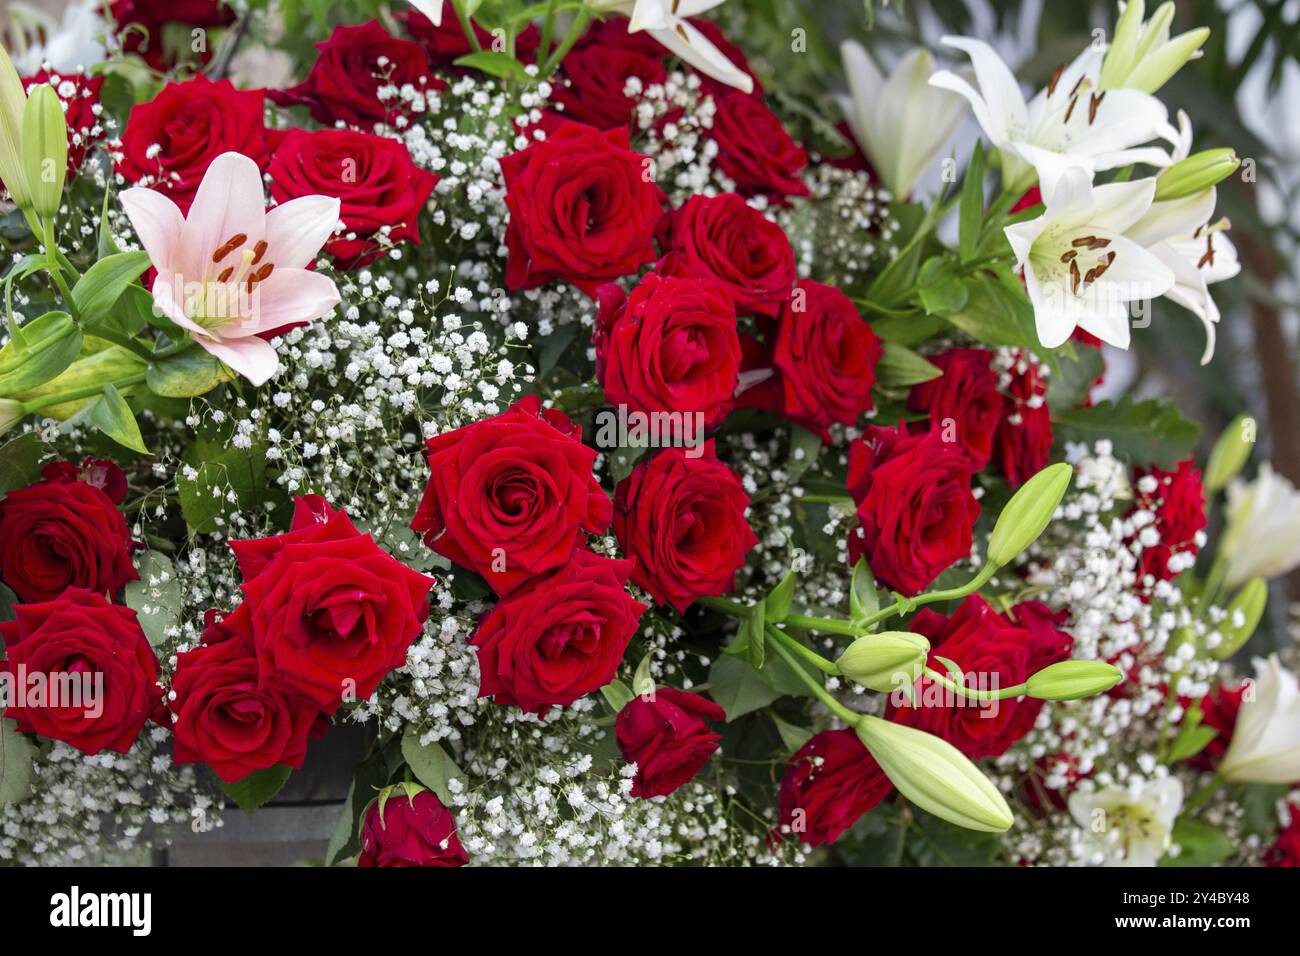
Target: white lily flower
{"points": [[1265, 745], [900, 122], [1142, 56], [431, 9], [1262, 537], [1080, 268], [1128, 826], [1070, 123], [667, 21], [76, 41]]}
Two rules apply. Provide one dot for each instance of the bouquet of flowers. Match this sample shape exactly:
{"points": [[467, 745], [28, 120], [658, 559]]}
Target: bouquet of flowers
{"points": [[653, 469]]}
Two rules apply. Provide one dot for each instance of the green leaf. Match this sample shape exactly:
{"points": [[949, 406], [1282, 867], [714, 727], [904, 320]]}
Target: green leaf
{"points": [[1190, 741], [112, 416], [623, 460], [98, 290], [1200, 844], [892, 286], [431, 765], [755, 636], [737, 689], [1070, 384], [617, 694], [900, 367], [16, 757], [50, 344], [203, 498], [193, 372], [156, 598], [258, 787], [643, 685], [792, 736], [1152, 432], [370, 776], [805, 449], [776, 605], [989, 315], [864, 600], [501, 65], [20, 462], [972, 205]]}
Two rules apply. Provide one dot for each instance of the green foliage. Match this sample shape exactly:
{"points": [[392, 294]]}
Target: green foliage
{"points": [[1143, 433], [431, 765], [257, 788], [16, 756], [113, 416], [158, 605], [204, 497]]}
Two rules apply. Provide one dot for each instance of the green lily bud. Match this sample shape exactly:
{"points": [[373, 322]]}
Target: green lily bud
{"points": [[1142, 56], [883, 661], [1230, 454], [1167, 58], [97, 369], [45, 149], [11, 413], [1028, 513], [935, 775], [1070, 680], [1244, 612], [12, 101], [1195, 174], [1122, 52]]}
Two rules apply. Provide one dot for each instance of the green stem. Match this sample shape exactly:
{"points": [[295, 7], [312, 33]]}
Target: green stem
{"points": [[826, 625], [463, 16], [1002, 693], [174, 349], [88, 391], [559, 53], [817, 689], [1204, 794], [548, 29], [807, 653], [56, 273], [725, 605], [826, 500], [125, 341], [907, 605]]}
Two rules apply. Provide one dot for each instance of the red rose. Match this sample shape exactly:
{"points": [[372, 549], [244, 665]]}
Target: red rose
{"points": [[614, 33], [511, 496], [62, 532], [558, 637], [964, 403], [830, 782], [754, 149], [97, 472], [671, 346], [1023, 442], [1177, 499], [79, 94], [666, 735], [682, 520], [80, 639], [583, 209], [826, 355], [915, 507], [374, 178], [351, 68], [410, 831], [330, 613], [231, 720], [597, 76], [154, 15], [724, 238], [1285, 850], [1219, 710], [170, 140], [994, 651], [446, 43]]}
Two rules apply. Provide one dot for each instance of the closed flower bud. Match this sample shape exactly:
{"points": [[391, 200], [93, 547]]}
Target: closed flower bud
{"points": [[11, 413], [45, 149], [1028, 513], [1195, 174], [1230, 454], [884, 661], [12, 101], [1244, 612], [1070, 680], [935, 775]]}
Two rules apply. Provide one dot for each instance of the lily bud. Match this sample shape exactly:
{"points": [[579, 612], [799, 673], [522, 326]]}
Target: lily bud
{"points": [[1028, 513], [1142, 56], [1070, 680], [882, 661], [1244, 612], [45, 149], [11, 413], [935, 775], [12, 101], [1230, 453], [1195, 174]]}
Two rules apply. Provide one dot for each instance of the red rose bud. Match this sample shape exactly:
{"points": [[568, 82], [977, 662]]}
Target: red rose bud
{"points": [[682, 520], [511, 496], [404, 829], [754, 149], [829, 783], [583, 209], [667, 736], [101, 674], [558, 637]]}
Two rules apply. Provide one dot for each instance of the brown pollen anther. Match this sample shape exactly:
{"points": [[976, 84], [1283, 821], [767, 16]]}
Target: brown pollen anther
{"points": [[229, 246]]}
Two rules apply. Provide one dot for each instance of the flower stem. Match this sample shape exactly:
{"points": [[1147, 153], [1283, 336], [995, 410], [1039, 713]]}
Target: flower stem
{"points": [[463, 16], [1204, 794], [55, 271], [124, 341], [826, 625], [559, 53], [907, 605], [807, 653], [817, 689], [1002, 693], [87, 391]]}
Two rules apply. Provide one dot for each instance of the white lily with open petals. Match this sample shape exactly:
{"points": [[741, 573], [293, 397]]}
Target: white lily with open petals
{"points": [[668, 22], [232, 273], [1081, 269], [1068, 124]]}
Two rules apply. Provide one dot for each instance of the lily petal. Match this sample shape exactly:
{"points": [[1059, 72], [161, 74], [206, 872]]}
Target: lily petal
{"points": [[229, 202], [251, 357], [998, 86], [157, 222], [291, 297], [296, 230], [695, 48]]}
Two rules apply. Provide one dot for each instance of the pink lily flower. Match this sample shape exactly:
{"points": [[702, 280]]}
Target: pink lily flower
{"points": [[232, 273]]}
